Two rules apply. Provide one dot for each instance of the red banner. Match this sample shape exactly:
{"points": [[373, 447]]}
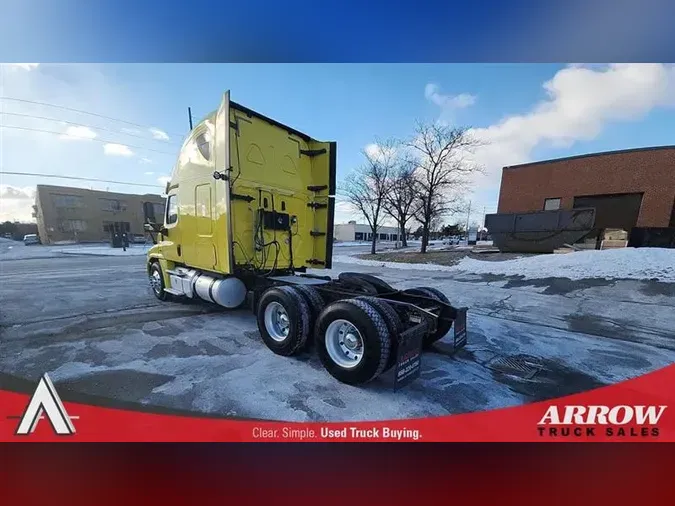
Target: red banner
{"points": [[635, 410]]}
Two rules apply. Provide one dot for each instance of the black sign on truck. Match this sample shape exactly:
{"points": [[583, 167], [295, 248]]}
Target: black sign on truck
{"points": [[460, 329], [409, 356]]}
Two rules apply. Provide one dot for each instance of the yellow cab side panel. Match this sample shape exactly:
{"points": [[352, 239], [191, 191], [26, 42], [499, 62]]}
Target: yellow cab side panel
{"points": [[197, 196], [270, 173], [199, 238]]}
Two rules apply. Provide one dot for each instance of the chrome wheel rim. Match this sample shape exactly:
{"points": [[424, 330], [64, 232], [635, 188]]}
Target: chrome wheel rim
{"points": [[156, 281], [277, 322], [344, 344]]}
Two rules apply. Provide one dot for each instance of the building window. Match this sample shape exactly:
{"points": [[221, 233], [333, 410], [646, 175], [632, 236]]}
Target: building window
{"points": [[172, 210], [358, 236], [552, 204], [73, 226], [68, 201], [113, 205], [383, 237], [203, 141]]}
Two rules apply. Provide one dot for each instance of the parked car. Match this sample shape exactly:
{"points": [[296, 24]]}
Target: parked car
{"points": [[31, 239]]}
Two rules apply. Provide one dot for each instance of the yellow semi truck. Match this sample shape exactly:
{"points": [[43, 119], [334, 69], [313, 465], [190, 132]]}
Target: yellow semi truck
{"points": [[249, 211]]}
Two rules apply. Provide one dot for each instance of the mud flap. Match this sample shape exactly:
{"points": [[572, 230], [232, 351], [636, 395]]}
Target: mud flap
{"points": [[409, 357], [459, 325]]}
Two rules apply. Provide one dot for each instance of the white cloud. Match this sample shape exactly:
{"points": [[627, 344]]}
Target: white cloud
{"points": [[16, 203], [159, 134], [432, 92], [146, 161], [22, 66], [581, 101], [78, 133], [375, 150], [372, 150], [149, 173], [345, 212], [163, 180], [117, 150]]}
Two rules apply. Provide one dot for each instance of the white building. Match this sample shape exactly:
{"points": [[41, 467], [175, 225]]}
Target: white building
{"points": [[353, 231]]}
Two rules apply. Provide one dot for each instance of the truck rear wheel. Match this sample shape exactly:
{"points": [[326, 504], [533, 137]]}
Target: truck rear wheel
{"points": [[393, 321], [368, 282], [316, 305], [284, 320], [353, 341], [443, 326]]}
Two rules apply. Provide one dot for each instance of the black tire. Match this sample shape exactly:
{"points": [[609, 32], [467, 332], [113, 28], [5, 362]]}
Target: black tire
{"points": [[373, 281], [443, 326], [298, 315], [394, 324], [374, 333], [158, 290], [316, 305], [313, 298]]}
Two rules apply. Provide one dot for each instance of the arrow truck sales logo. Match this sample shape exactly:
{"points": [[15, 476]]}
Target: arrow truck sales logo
{"points": [[590, 421], [46, 400]]}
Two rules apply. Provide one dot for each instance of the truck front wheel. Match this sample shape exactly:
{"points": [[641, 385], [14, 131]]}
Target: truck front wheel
{"points": [[157, 281]]}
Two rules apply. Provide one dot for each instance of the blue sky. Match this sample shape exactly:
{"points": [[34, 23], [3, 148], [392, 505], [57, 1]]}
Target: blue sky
{"points": [[524, 111]]}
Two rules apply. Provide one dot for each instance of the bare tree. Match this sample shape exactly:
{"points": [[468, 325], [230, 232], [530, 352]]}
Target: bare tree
{"points": [[366, 187], [443, 170], [400, 201]]}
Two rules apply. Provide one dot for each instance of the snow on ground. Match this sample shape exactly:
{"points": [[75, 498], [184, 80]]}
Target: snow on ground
{"points": [[134, 250], [624, 263], [17, 250]]}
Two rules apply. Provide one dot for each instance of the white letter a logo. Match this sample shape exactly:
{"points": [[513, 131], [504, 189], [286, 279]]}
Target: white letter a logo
{"points": [[45, 399]]}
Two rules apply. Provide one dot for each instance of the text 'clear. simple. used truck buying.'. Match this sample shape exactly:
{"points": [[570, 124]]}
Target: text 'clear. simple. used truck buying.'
{"points": [[249, 210]]}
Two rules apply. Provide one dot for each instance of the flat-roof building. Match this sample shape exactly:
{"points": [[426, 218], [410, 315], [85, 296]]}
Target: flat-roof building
{"points": [[78, 214], [353, 231]]}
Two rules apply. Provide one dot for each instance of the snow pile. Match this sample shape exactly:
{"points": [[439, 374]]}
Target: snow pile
{"points": [[624, 263], [350, 243], [345, 259]]}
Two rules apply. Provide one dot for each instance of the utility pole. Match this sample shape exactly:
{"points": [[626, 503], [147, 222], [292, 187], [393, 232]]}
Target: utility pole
{"points": [[483, 227], [190, 117], [468, 215]]}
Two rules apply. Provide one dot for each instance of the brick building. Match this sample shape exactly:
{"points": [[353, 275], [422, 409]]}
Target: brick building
{"points": [[628, 188], [81, 215]]}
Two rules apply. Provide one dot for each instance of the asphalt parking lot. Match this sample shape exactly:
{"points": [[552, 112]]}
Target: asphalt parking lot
{"points": [[92, 324]]}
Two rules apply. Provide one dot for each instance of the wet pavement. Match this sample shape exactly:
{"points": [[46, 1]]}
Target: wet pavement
{"points": [[93, 324]]}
